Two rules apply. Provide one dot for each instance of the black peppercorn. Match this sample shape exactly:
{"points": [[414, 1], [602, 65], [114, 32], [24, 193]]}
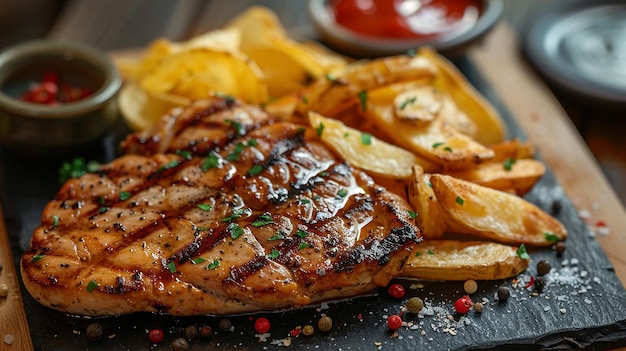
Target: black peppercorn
{"points": [[191, 332], [503, 293], [556, 207], [94, 332], [540, 284], [560, 248], [179, 344], [543, 267]]}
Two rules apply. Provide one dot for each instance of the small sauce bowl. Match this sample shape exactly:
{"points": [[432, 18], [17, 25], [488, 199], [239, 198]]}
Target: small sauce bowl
{"points": [[377, 28], [54, 130]]}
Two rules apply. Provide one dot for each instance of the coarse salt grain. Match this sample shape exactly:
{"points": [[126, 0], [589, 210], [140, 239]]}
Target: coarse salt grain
{"points": [[8, 339]]}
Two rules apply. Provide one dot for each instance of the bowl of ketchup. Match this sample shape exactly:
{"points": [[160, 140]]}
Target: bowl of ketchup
{"points": [[376, 28]]}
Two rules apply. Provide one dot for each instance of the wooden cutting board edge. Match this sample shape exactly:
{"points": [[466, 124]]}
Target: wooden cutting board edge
{"points": [[13, 322]]}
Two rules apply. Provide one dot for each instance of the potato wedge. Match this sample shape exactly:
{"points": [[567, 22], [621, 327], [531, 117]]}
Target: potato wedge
{"points": [[431, 218], [492, 214], [517, 175], [330, 95], [462, 260], [436, 141], [512, 149], [491, 129], [363, 150]]}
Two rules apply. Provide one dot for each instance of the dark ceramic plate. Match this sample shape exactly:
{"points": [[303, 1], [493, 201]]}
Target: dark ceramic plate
{"points": [[583, 305], [580, 46]]}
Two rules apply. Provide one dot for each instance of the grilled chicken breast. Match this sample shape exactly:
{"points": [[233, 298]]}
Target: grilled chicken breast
{"points": [[219, 209]]}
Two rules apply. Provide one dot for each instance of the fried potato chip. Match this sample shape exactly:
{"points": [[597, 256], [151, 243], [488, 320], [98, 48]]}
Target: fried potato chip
{"points": [[363, 150], [142, 109], [451, 260], [512, 149], [431, 218], [198, 72], [495, 215], [261, 28]]}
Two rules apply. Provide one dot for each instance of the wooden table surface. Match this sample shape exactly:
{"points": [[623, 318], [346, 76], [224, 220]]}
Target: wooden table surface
{"points": [[497, 58]]}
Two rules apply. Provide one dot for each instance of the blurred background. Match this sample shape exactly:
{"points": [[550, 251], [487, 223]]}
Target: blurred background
{"points": [[130, 24]]}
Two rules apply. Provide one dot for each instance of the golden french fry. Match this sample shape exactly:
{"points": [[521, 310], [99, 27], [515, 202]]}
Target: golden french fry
{"points": [[494, 215], [431, 218], [517, 175], [463, 260], [363, 150]]}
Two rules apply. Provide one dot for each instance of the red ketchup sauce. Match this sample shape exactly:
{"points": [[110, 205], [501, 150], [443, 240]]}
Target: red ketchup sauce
{"points": [[406, 19]]}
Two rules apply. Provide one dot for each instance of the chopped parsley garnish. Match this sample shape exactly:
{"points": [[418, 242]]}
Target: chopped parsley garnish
{"points": [[37, 257], [301, 233], [92, 286], [252, 142], [277, 236], [76, 168], [237, 213], [263, 220], [103, 209], [508, 163], [272, 255], [237, 126], [101, 200], [212, 161], [346, 134], [213, 265], [202, 229], [124, 195], [431, 252], [319, 129], [323, 174], [303, 245], [172, 164], [198, 260], [411, 53], [447, 148], [316, 197], [342, 192], [55, 221], [171, 266], [412, 214], [186, 154], [304, 99], [235, 230], [417, 254], [436, 145], [406, 102], [363, 99], [366, 138], [305, 201], [204, 207], [459, 200], [522, 253], [550, 237], [255, 170], [330, 77], [234, 155]]}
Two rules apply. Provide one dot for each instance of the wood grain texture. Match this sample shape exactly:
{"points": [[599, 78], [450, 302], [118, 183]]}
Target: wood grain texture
{"points": [[559, 144], [12, 315]]}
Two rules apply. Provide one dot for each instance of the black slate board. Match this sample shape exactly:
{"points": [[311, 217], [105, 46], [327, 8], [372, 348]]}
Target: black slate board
{"points": [[586, 309]]}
